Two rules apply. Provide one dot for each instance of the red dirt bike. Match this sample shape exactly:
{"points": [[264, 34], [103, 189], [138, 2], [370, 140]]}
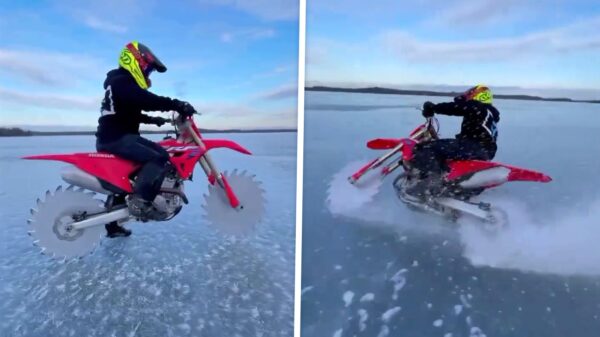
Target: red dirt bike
{"points": [[70, 222], [463, 180]]}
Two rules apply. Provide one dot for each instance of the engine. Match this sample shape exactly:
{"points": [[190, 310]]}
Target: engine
{"points": [[169, 203]]}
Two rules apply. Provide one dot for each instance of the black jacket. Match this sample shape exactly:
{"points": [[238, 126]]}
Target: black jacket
{"points": [[122, 106], [479, 121]]}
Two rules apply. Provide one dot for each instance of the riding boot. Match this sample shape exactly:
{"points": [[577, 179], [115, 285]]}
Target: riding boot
{"points": [[113, 230]]}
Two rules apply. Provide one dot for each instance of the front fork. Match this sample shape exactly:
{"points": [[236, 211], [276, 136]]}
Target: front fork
{"points": [[386, 170], [214, 175]]}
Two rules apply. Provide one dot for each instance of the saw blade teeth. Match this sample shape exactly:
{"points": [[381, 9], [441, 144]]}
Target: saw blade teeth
{"points": [[32, 211], [58, 189], [44, 215], [38, 201], [70, 187]]}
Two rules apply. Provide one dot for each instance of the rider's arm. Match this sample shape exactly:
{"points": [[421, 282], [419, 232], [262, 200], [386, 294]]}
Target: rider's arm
{"points": [[146, 100], [146, 119], [455, 109]]}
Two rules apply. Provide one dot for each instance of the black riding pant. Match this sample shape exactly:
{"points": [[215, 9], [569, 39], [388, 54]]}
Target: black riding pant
{"points": [[153, 157], [430, 157]]}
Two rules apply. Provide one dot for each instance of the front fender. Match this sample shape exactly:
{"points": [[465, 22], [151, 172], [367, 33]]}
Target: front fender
{"points": [[223, 143]]}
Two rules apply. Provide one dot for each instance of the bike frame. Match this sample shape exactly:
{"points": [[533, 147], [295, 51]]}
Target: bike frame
{"points": [[185, 151], [458, 168], [191, 134], [425, 130]]}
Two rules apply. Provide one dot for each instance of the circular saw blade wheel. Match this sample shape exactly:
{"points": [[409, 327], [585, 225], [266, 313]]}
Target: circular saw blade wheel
{"points": [[344, 197], [219, 212], [51, 215]]}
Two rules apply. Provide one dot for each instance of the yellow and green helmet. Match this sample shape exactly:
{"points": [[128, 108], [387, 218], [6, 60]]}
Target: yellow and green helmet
{"points": [[479, 93], [140, 61]]}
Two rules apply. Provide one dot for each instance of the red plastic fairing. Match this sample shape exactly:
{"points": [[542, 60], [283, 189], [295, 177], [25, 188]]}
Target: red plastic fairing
{"points": [[183, 156], [216, 143], [383, 143], [460, 168], [102, 165], [407, 148]]}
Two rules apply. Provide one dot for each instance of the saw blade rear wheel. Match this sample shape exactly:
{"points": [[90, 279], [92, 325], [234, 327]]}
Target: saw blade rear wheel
{"points": [[219, 213], [50, 223]]}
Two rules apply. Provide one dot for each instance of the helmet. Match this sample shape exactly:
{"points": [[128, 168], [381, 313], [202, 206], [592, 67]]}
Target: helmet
{"points": [[140, 61], [479, 93]]}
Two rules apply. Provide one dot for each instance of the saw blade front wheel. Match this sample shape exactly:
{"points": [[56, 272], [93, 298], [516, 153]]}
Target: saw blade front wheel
{"points": [[218, 211], [51, 219]]}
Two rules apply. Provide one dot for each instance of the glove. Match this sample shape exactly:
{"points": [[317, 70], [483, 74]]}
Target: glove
{"points": [[184, 108], [159, 121], [428, 109]]}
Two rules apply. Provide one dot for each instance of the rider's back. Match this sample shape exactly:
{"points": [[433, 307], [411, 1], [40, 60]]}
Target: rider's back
{"points": [[122, 106]]}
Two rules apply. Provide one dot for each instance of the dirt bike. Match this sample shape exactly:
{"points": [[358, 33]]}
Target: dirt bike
{"points": [[70, 221], [463, 180]]}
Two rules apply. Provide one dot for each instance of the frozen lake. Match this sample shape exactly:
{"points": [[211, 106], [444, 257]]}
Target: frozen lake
{"points": [[176, 278], [383, 270]]}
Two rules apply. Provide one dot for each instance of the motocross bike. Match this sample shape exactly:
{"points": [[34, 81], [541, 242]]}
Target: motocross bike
{"points": [[69, 222], [462, 180]]}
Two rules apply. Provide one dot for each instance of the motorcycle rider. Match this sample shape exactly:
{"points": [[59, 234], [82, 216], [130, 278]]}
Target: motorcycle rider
{"points": [[125, 97], [476, 140]]}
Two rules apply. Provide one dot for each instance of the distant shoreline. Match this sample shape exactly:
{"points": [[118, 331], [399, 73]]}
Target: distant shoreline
{"points": [[389, 91], [18, 132]]}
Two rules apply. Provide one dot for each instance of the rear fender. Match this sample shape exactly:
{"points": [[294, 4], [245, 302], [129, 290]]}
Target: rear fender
{"points": [[502, 173], [105, 166]]}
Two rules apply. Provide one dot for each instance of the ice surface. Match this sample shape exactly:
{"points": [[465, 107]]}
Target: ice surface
{"points": [[348, 296], [178, 278], [378, 239], [362, 323], [386, 316], [544, 246], [367, 297]]}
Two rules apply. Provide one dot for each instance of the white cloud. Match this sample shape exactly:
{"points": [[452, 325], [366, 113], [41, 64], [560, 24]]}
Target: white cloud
{"points": [[247, 34], [239, 115], [265, 9], [114, 16], [282, 92], [574, 37], [49, 101], [49, 68], [469, 13], [96, 23]]}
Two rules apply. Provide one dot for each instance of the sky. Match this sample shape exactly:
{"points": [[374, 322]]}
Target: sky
{"points": [[235, 60], [547, 47]]}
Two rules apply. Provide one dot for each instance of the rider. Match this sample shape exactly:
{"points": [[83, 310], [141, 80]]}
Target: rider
{"points": [[125, 97], [476, 140]]}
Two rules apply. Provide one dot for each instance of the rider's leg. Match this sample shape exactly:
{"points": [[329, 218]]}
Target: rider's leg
{"points": [[154, 161], [430, 160], [153, 158]]}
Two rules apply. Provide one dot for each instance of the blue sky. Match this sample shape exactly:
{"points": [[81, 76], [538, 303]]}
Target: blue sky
{"points": [[235, 60], [547, 47]]}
